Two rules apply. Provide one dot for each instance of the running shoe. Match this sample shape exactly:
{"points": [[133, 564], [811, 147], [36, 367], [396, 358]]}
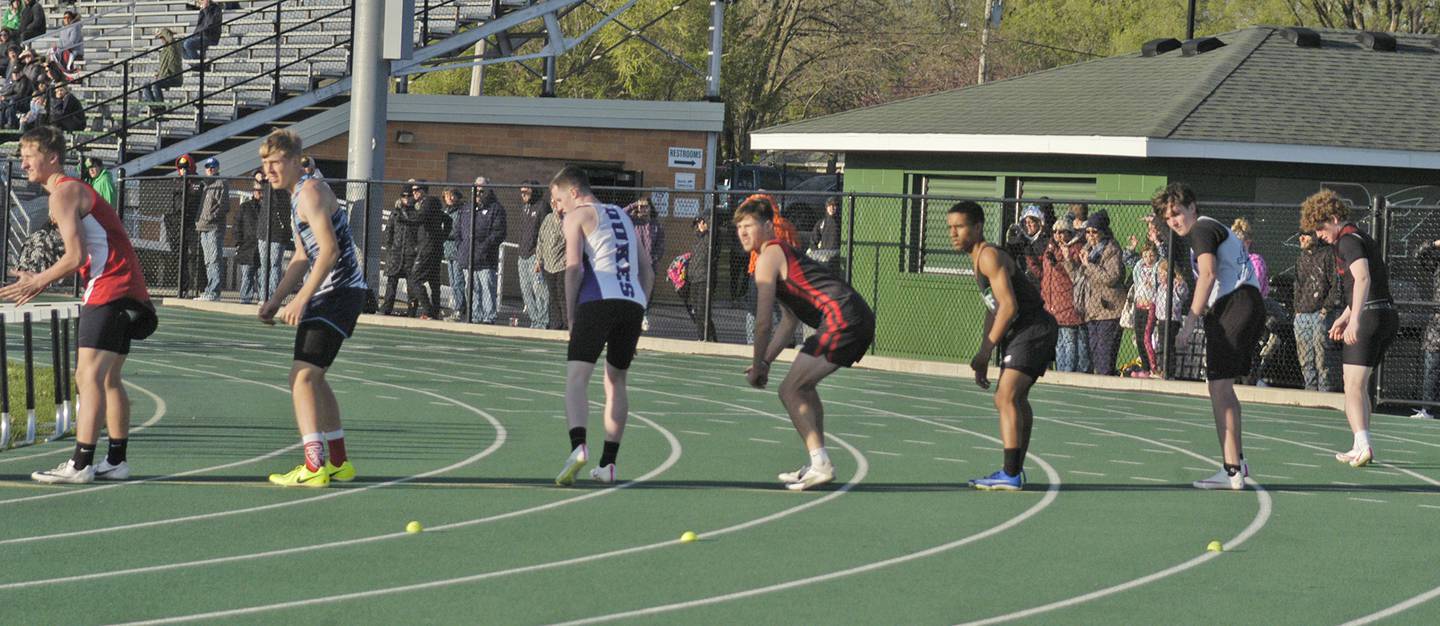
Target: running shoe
{"points": [[301, 476], [790, 477], [811, 477], [1356, 458], [118, 471], [65, 473], [1223, 480], [605, 474], [1422, 414], [1000, 481], [345, 472], [577, 459]]}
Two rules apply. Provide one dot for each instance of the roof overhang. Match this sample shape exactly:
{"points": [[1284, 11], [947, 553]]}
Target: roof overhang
{"points": [[1095, 145]]}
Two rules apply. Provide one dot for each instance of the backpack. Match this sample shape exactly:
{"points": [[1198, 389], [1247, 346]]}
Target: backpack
{"points": [[679, 270], [43, 247]]}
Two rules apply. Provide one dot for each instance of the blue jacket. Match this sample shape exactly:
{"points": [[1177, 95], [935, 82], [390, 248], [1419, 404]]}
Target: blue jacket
{"points": [[487, 222]]}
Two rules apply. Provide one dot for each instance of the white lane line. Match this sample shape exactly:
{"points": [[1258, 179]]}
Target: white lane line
{"points": [[386, 397], [1428, 506], [468, 393], [1308, 465], [759, 440], [666, 402], [1257, 449], [873, 424], [1366, 500], [1198, 469], [1124, 462], [857, 435], [695, 432], [1154, 451], [787, 429], [941, 458], [1084, 473], [1344, 484], [1296, 431], [1274, 476], [918, 442], [882, 453], [1293, 493], [1174, 440], [1170, 430], [439, 403], [519, 399], [1148, 480], [947, 432], [640, 426], [1081, 443], [1399, 451], [1059, 456], [160, 409], [720, 421]]}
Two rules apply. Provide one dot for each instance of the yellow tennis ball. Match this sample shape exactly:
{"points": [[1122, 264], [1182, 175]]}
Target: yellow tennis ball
{"points": [[688, 536], [414, 527], [1214, 547]]}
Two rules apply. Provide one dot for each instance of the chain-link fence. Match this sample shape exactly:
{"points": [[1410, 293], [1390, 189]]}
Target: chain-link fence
{"points": [[494, 254]]}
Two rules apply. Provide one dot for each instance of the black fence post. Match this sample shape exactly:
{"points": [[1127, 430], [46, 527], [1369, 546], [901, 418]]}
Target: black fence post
{"points": [[200, 92], [1380, 210], [124, 112], [5, 224], [275, 78], [120, 194], [184, 180], [470, 257], [707, 320], [850, 241], [267, 261], [1168, 342]]}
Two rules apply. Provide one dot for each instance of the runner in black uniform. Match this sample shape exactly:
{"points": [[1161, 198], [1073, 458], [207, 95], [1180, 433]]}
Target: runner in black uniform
{"points": [[811, 294], [1368, 324], [1019, 326]]}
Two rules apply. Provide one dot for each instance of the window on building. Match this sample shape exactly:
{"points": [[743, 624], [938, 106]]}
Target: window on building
{"points": [[927, 236]]}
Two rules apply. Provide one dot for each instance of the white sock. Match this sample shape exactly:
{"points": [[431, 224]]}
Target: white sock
{"points": [[1362, 440], [819, 458], [338, 433]]}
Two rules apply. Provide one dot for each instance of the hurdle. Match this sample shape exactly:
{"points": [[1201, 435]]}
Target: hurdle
{"points": [[61, 316]]}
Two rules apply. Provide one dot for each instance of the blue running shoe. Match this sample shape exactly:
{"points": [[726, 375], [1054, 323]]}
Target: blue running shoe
{"points": [[1000, 481]]}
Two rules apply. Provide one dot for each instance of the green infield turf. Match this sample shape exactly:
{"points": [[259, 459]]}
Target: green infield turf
{"points": [[465, 434]]}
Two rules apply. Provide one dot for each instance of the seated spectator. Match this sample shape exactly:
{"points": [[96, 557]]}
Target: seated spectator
{"points": [[10, 21], [207, 30], [39, 112], [66, 111], [32, 20], [72, 40], [15, 97], [167, 74]]}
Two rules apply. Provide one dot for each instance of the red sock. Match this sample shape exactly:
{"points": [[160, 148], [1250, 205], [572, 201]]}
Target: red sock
{"points": [[314, 455], [336, 441]]}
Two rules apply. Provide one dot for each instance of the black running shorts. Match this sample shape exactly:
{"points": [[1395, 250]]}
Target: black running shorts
{"points": [[1029, 347], [329, 320], [113, 325], [843, 346], [1232, 328], [609, 325], [1378, 324]]}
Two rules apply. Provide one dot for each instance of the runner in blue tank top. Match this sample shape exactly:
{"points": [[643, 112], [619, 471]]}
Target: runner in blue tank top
{"points": [[331, 292]]}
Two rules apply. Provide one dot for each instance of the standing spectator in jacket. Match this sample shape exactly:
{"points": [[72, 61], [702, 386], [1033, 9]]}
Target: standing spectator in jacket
{"points": [[72, 41], [452, 201], [432, 229], [1146, 275], [825, 236], [1369, 322], [248, 222], [652, 239], [551, 250], [207, 30], [1027, 243], [698, 285], [399, 244], [1058, 291], [1317, 301], [1076, 214], [167, 73], [533, 210], [214, 205], [101, 181], [1104, 292], [32, 20], [482, 230], [276, 240]]}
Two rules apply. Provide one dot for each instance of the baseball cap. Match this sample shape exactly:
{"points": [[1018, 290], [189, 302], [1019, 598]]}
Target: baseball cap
{"points": [[92, 162], [211, 162]]}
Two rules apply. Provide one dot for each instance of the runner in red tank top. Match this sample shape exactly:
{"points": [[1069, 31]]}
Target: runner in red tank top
{"points": [[811, 294], [116, 306]]}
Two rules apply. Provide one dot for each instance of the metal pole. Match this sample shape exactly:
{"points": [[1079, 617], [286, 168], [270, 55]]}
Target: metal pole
{"points": [[707, 320], [120, 192], [184, 226], [1169, 304], [850, 241], [984, 71], [1381, 222], [470, 257], [275, 78], [548, 90], [365, 155], [267, 261], [5, 226], [1190, 21], [200, 104], [124, 111]]}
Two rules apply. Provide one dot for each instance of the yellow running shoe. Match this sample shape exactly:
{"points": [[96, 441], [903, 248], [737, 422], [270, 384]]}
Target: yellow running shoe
{"points": [[302, 477], [344, 473]]}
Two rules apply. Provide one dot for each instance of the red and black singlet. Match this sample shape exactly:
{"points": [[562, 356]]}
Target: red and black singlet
{"points": [[818, 297]]}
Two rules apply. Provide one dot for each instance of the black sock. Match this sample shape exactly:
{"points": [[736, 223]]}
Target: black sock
{"points": [[1024, 441], [577, 437], [607, 457], [1014, 461], [84, 455], [1232, 469], [116, 454]]}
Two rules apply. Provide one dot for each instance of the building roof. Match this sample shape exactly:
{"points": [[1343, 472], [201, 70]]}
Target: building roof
{"points": [[1260, 97]]}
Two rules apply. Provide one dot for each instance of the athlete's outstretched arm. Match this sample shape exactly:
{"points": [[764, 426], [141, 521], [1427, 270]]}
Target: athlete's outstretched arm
{"points": [[767, 273]]}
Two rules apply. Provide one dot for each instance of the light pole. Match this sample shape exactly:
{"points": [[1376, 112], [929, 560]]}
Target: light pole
{"points": [[1190, 22]]}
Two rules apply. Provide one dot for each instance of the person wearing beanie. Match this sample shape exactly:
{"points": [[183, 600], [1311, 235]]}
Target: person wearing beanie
{"points": [[100, 180], [1027, 242], [1104, 271]]}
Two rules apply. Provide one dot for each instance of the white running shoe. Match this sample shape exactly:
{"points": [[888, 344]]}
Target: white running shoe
{"points": [[1222, 480], [1422, 414], [65, 473], [812, 477], [106, 471], [791, 477], [577, 460], [1356, 458], [605, 474]]}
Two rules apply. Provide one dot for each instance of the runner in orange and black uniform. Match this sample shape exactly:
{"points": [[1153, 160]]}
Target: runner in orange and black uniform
{"points": [[810, 294]]}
